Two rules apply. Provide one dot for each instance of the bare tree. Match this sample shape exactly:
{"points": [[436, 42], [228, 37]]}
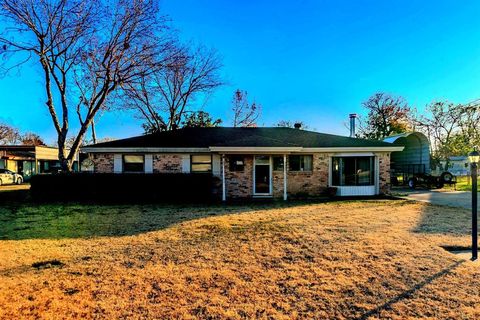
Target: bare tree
{"points": [[87, 50], [245, 114], [8, 134], [164, 98], [387, 115], [442, 124], [200, 119], [32, 139], [291, 124]]}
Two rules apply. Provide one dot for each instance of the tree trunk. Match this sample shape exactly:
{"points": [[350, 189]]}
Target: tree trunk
{"points": [[94, 134]]}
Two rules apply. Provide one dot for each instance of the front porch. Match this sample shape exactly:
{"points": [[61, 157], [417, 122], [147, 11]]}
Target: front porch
{"points": [[286, 175]]}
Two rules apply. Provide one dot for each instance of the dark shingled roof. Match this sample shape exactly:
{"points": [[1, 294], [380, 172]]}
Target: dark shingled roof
{"points": [[239, 137]]}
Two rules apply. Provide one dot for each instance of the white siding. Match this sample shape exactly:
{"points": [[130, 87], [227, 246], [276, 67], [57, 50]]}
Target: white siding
{"points": [[148, 163], [117, 163], [216, 165], [186, 163], [356, 191]]}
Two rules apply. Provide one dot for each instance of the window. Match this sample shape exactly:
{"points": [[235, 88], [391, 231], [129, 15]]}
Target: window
{"points": [[278, 163], [300, 163], [237, 163], [201, 163], [133, 163], [353, 171]]}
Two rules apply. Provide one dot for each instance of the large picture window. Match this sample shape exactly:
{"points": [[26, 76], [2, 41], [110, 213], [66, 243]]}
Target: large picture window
{"points": [[300, 163], [353, 171], [201, 163], [133, 163]]}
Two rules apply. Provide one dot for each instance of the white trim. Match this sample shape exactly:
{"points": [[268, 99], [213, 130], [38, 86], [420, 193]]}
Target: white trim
{"points": [[285, 177], [117, 163], [185, 163], [270, 193], [280, 150], [353, 149], [256, 149], [148, 163], [330, 162], [354, 154], [377, 175], [216, 165], [144, 150], [224, 188]]}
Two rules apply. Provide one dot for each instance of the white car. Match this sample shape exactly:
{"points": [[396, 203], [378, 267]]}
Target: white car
{"points": [[10, 177]]}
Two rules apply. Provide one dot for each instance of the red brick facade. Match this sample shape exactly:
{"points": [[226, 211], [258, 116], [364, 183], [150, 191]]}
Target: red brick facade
{"points": [[167, 163], [239, 184], [103, 162], [384, 169]]}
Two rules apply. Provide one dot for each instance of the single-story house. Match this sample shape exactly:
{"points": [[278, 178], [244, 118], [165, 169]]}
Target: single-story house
{"points": [[256, 162], [28, 160]]}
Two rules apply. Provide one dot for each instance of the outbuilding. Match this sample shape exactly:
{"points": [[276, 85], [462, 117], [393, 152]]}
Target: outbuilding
{"points": [[414, 159]]}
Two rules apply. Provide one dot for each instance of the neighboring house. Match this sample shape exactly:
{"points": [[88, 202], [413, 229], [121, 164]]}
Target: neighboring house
{"points": [[458, 166], [29, 160], [256, 162]]}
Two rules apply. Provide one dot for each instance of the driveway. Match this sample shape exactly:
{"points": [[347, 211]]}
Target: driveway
{"points": [[458, 199]]}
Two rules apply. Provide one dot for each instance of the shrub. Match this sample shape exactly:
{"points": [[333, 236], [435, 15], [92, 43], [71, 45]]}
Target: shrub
{"points": [[136, 188]]}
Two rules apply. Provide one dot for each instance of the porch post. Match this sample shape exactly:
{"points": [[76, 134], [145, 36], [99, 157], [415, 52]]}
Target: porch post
{"points": [[285, 177], [224, 189]]}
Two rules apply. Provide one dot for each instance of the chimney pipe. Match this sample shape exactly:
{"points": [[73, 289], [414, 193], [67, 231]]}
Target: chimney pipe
{"points": [[297, 125], [352, 116]]}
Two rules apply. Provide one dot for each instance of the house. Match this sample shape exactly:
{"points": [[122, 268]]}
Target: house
{"points": [[256, 162], [457, 165], [28, 160]]}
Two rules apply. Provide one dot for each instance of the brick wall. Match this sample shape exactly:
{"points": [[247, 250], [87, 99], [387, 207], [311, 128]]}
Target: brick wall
{"points": [[103, 163], [312, 183], [239, 184], [384, 177], [167, 163]]}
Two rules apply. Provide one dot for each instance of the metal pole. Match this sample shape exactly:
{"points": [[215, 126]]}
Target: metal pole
{"points": [[474, 213]]}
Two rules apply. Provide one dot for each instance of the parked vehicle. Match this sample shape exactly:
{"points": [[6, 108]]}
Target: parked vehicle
{"points": [[10, 177]]}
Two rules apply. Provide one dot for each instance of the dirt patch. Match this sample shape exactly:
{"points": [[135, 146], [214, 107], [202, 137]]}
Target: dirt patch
{"points": [[48, 264]]}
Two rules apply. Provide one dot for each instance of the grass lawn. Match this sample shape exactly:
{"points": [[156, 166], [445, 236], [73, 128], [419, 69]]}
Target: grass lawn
{"points": [[464, 183], [351, 259]]}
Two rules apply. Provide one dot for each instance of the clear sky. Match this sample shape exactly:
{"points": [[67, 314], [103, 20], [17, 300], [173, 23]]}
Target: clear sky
{"points": [[314, 61]]}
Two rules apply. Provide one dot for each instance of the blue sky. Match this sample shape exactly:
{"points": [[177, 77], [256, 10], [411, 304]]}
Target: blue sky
{"points": [[314, 61]]}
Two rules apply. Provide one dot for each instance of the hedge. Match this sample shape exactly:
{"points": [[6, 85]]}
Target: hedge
{"points": [[120, 188]]}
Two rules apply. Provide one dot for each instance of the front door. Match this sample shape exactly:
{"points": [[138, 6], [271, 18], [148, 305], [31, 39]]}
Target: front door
{"points": [[262, 176]]}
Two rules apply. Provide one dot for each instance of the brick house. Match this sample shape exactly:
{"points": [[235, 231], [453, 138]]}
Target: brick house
{"points": [[256, 162]]}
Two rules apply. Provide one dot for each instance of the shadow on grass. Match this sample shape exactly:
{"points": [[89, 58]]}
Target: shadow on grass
{"points": [[444, 220], [22, 219], [19, 221], [409, 293]]}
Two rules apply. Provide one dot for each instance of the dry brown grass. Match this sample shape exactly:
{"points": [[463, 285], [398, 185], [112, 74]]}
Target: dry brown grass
{"points": [[357, 259]]}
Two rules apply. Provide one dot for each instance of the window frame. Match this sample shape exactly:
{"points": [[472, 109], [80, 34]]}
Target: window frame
{"points": [[280, 163], [133, 154], [301, 156], [233, 167], [337, 173], [193, 163]]}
